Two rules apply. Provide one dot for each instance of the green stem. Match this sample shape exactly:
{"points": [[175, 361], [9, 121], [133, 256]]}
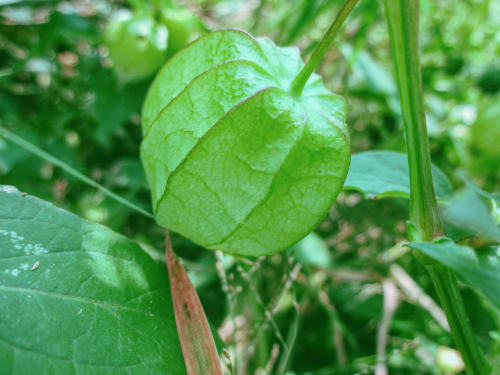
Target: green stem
{"points": [[402, 20], [446, 284], [51, 159], [300, 80]]}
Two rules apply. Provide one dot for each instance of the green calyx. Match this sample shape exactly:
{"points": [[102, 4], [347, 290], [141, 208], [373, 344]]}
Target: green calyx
{"points": [[234, 161]]}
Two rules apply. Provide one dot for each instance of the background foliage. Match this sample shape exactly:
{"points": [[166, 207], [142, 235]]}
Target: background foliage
{"points": [[324, 306]]}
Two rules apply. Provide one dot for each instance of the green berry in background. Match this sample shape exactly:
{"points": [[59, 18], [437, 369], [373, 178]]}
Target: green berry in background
{"points": [[485, 132], [180, 24], [137, 45]]}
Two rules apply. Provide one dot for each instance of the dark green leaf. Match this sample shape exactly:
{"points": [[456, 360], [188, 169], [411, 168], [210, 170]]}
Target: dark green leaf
{"points": [[480, 269], [467, 211], [77, 298], [113, 105]]}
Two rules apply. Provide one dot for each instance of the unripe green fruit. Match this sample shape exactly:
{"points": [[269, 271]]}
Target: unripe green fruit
{"points": [[137, 45], [234, 161], [485, 132], [180, 24]]}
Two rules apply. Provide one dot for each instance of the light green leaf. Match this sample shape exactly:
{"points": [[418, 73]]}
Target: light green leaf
{"points": [[77, 298], [480, 268], [234, 161], [385, 174], [377, 78]]}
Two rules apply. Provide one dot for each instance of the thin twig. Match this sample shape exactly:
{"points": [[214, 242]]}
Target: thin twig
{"points": [[287, 285], [291, 339], [229, 293], [391, 303], [336, 327], [275, 351], [269, 310], [416, 294]]}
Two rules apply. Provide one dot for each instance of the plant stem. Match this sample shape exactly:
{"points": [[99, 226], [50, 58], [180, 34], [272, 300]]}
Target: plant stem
{"points": [[403, 25], [446, 284], [51, 159], [300, 80], [402, 20]]}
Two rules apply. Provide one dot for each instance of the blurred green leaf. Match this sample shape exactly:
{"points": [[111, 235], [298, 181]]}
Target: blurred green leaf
{"points": [[313, 251], [468, 212], [489, 81], [12, 156], [378, 174], [114, 105], [494, 356], [485, 131], [377, 78]]}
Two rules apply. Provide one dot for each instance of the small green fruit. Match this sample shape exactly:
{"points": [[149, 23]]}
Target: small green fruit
{"points": [[180, 24], [485, 132], [137, 45], [234, 161]]}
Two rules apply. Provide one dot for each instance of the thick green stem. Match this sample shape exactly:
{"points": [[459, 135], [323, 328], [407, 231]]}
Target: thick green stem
{"points": [[402, 20], [446, 284], [300, 80]]}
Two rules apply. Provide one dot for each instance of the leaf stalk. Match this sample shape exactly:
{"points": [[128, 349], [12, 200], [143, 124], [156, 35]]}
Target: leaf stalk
{"points": [[70, 170], [302, 77]]}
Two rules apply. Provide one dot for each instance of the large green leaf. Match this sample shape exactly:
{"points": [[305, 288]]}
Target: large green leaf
{"points": [[385, 174], [480, 269], [77, 298]]}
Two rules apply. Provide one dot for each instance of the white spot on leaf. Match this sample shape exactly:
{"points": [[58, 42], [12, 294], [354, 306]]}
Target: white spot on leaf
{"points": [[18, 242], [8, 189]]}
